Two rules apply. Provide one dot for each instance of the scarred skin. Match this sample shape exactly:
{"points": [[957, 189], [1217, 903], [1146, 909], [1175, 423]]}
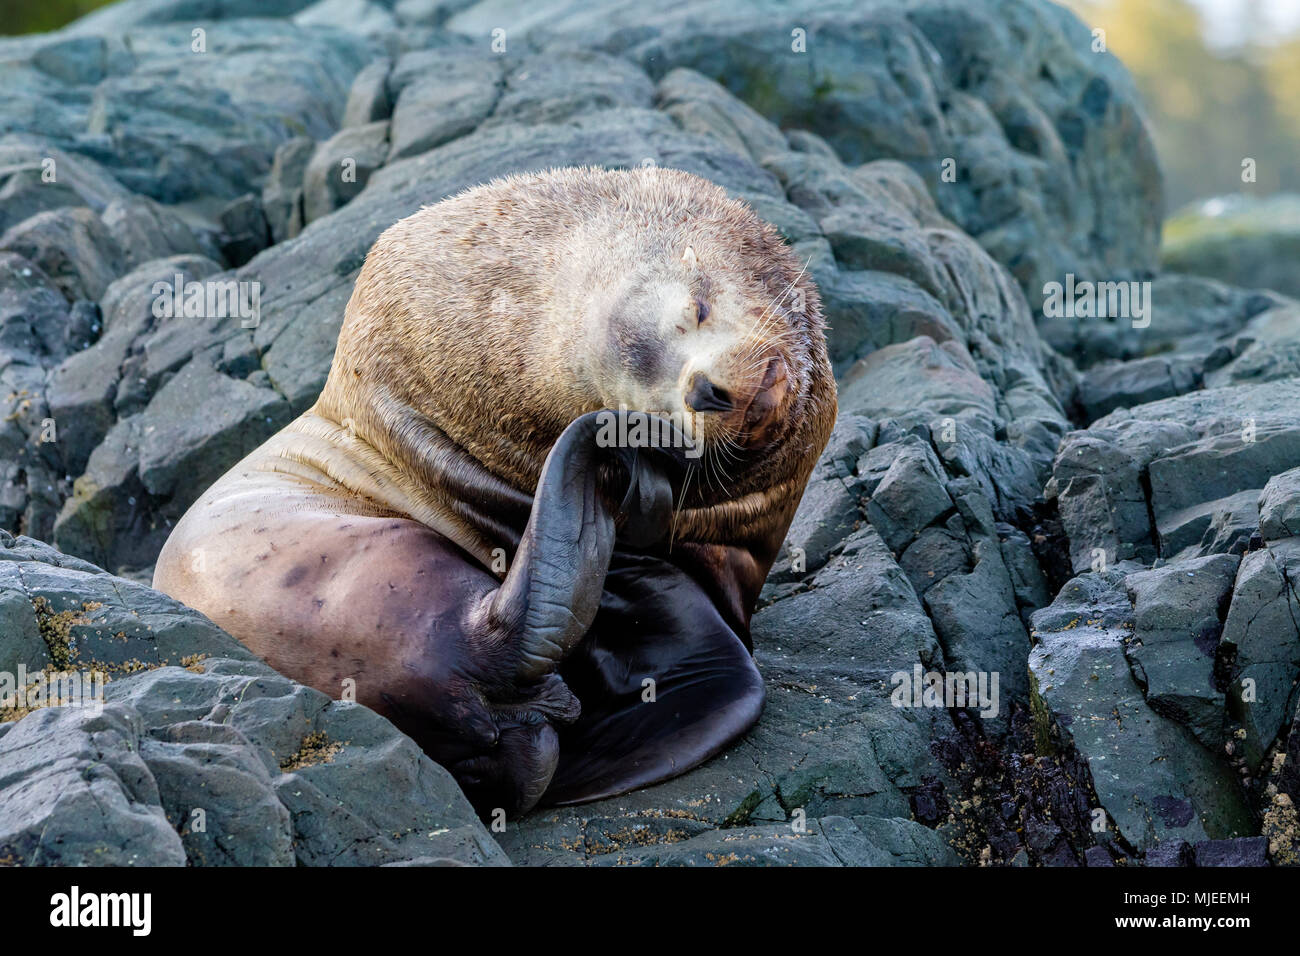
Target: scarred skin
{"points": [[550, 618]]}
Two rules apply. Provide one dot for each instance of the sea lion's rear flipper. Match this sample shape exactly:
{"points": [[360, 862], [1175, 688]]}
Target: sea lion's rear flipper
{"points": [[655, 624]]}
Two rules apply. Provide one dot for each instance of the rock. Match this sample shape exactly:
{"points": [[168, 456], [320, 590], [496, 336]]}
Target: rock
{"points": [[35, 321], [35, 178], [1027, 578], [874, 309], [37, 330], [943, 375], [1104, 388], [700, 105], [145, 230], [131, 13], [921, 385], [878, 217], [172, 448], [829, 511], [1097, 856], [1279, 506], [1179, 460], [1170, 853], [547, 88], [1097, 486], [976, 618], [878, 841], [907, 282], [282, 194], [440, 95], [72, 246], [1216, 524], [1152, 777], [831, 841], [1233, 521], [132, 490], [1281, 823], [213, 769], [357, 16], [1190, 315], [77, 61], [245, 232], [1243, 851], [936, 553], [1265, 349], [1016, 135], [1178, 615], [947, 541], [368, 100], [341, 167], [196, 751], [82, 389], [909, 496], [1262, 633], [1217, 466], [80, 793], [285, 80]]}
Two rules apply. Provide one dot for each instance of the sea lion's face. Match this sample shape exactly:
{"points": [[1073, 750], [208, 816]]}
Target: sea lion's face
{"points": [[705, 351]]}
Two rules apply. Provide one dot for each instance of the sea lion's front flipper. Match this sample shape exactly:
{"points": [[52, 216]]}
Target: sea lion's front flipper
{"points": [[655, 624], [552, 588], [520, 632], [554, 584]]}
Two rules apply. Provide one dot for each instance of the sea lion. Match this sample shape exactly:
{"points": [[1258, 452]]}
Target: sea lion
{"points": [[550, 611]]}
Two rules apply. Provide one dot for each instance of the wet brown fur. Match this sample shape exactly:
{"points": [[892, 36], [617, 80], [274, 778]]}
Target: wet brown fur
{"points": [[467, 344]]}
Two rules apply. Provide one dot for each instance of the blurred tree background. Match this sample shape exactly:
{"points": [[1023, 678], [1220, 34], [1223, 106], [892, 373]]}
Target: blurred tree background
{"points": [[37, 16], [1221, 79]]}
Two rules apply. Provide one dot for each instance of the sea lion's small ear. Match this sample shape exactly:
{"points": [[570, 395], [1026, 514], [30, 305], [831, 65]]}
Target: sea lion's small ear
{"points": [[688, 258]]}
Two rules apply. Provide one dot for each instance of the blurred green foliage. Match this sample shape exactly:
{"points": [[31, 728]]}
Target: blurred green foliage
{"points": [[1210, 107], [38, 16]]}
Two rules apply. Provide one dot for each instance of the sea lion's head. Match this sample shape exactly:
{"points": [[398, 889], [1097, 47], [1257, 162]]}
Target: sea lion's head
{"points": [[716, 327], [706, 348], [481, 326]]}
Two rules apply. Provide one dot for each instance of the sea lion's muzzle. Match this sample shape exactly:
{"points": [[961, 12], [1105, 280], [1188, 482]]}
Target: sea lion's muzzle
{"points": [[752, 419], [707, 396]]}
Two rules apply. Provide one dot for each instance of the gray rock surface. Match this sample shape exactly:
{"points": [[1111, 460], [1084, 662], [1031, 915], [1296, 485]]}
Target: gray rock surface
{"points": [[1148, 481], [1189, 316], [1086, 688], [282, 193], [178, 116], [1279, 506], [1261, 637], [72, 246], [1178, 612], [340, 168], [1266, 348]]}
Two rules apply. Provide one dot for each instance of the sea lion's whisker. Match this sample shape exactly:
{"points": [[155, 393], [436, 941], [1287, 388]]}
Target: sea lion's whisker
{"points": [[681, 504], [723, 476], [792, 284]]}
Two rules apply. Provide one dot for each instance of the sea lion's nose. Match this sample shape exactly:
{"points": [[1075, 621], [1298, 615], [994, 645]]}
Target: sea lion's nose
{"points": [[704, 396]]}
